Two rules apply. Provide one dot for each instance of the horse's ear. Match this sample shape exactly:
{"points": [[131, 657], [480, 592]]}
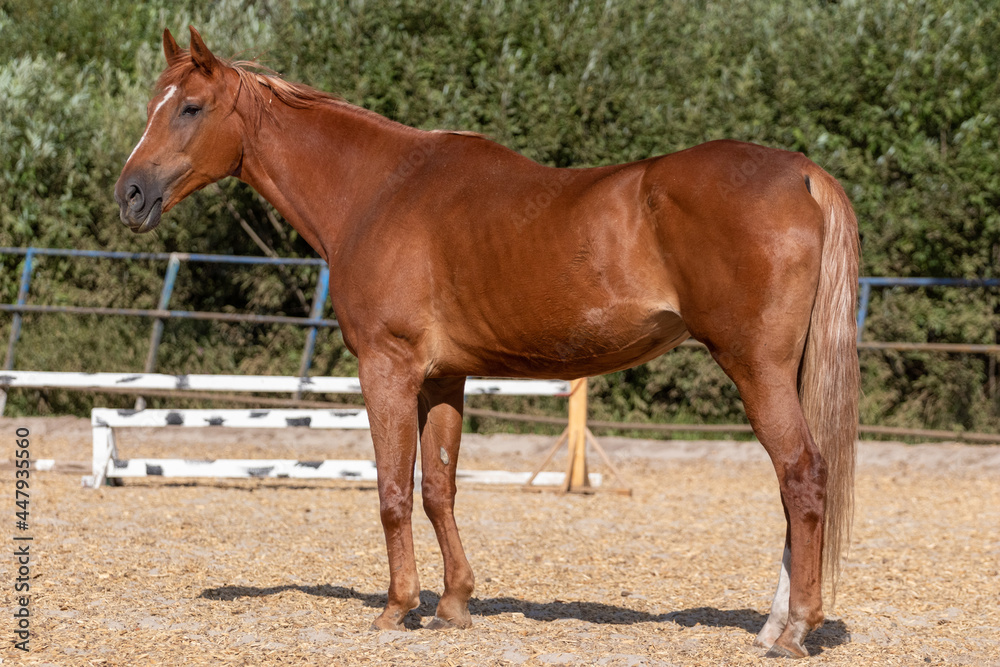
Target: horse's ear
{"points": [[202, 57], [170, 48]]}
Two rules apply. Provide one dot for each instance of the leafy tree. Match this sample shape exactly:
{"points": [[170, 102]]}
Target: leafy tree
{"points": [[898, 99]]}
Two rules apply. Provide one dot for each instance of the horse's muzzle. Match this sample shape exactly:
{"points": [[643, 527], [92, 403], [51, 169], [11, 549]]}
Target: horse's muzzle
{"points": [[140, 203]]}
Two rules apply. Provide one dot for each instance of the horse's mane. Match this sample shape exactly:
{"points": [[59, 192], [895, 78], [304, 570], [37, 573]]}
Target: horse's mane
{"points": [[262, 85]]}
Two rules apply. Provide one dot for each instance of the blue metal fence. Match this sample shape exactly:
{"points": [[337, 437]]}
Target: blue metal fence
{"points": [[866, 285], [315, 320]]}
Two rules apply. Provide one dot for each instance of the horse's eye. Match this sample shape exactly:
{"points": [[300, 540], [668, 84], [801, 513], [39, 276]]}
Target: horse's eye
{"points": [[191, 110]]}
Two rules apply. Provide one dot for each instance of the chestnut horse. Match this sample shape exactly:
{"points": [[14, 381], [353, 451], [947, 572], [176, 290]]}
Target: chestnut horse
{"points": [[451, 256]]}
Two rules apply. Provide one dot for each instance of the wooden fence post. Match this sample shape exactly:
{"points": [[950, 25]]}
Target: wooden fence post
{"points": [[576, 473], [577, 436]]}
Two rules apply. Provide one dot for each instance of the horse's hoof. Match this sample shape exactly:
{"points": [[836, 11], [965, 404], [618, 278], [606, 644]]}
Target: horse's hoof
{"points": [[382, 623], [438, 623], [779, 651], [765, 642]]}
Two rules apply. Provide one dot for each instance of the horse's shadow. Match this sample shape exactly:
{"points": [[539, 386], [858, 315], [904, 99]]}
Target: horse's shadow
{"points": [[833, 632]]}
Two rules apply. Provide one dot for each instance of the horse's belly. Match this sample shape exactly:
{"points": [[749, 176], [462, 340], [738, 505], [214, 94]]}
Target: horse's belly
{"points": [[597, 342], [593, 350]]}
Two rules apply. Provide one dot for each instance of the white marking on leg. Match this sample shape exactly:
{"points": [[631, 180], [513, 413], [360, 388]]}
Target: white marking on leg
{"points": [[778, 618], [170, 93]]}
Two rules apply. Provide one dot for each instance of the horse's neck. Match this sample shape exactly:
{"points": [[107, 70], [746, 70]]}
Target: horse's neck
{"points": [[318, 166]]}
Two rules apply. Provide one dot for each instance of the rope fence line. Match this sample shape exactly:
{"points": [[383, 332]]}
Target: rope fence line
{"points": [[935, 434], [954, 348]]}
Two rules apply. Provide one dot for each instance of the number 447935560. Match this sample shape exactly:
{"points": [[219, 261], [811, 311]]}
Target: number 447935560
{"points": [[22, 474]]}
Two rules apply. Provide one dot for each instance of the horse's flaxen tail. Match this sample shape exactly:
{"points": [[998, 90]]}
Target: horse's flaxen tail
{"points": [[829, 379]]}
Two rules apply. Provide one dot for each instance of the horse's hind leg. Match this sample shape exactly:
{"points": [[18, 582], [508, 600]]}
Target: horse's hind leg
{"points": [[777, 619], [441, 403], [768, 386]]}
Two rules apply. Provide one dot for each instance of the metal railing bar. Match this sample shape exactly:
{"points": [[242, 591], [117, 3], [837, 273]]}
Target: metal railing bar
{"points": [[15, 325], [22, 298], [172, 314], [319, 302], [165, 256], [864, 298], [928, 282], [156, 335], [960, 348]]}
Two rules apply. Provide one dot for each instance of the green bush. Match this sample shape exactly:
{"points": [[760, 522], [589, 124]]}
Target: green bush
{"points": [[898, 99]]}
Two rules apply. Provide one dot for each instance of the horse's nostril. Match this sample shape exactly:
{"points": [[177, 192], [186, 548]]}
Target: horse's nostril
{"points": [[135, 197]]}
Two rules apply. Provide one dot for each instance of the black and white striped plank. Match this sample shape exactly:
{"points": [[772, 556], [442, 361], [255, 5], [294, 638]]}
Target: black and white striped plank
{"points": [[107, 464], [359, 471], [236, 418]]}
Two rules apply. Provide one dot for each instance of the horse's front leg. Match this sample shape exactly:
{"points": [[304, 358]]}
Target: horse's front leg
{"points": [[391, 400], [441, 403]]}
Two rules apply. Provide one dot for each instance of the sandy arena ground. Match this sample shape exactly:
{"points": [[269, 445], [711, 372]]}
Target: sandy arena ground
{"points": [[681, 573]]}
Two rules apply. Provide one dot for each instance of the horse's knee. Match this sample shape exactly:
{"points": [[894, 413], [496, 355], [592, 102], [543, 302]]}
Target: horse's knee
{"points": [[438, 499], [395, 508]]}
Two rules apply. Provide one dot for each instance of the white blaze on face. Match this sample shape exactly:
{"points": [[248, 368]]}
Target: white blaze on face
{"points": [[170, 93]]}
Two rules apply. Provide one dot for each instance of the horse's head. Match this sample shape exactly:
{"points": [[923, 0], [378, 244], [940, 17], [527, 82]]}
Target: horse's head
{"points": [[193, 136]]}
